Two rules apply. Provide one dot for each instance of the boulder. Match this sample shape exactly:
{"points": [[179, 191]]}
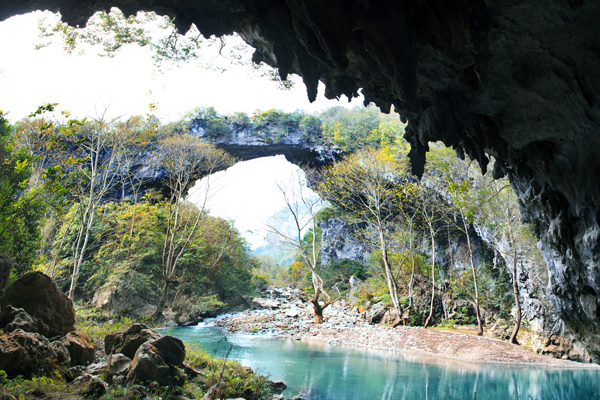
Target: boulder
{"points": [[391, 316], [171, 349], [148, 365], [122, 300], [17, 318], [73, 373], [80, 348], [136, 392], [41, 299], [95, 388], [128, 341], [61, 352], [91, 387], [267, 303], [187, 319], [278, 387], [118, 365], [376, 313], [293, 312], [24, 353]]}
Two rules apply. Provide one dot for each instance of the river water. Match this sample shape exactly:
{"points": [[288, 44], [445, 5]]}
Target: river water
{"points": [[324, 372]]}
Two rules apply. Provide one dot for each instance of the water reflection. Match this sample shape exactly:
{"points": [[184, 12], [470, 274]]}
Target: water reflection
{"points": [[324, 372]]}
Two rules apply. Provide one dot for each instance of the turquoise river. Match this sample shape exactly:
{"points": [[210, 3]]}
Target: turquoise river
{"points": [[328, 372]]}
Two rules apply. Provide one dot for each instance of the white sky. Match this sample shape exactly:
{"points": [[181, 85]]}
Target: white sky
{"points": [[129, 82], [236, 194]]}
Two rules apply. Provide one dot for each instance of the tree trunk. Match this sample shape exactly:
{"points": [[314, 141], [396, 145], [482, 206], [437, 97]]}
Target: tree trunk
{"points": [[81, 251], [392, 286], [513, 336], [432, 280], [317, 308], [163, 301], [476, 299]]}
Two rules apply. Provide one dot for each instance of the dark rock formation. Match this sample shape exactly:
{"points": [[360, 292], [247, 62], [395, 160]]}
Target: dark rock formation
{"points": [[23, 353], [119, 364], [516, 80], [17, 318], [129, 340], [61, 351], [95, 389], [156, 361], [5, 269], [80, 348], [376, 313], [41, 299], [171, 349]]}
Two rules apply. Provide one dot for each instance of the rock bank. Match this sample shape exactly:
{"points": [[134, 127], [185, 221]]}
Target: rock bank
{"points": [[286, 314]]}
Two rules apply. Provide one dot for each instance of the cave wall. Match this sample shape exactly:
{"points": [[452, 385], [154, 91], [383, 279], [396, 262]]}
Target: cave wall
{"points": [[519, 80]]}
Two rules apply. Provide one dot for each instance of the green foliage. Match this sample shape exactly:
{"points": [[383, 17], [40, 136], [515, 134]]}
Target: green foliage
{"points": [[276, 121], [241, 119], [363, 127], [90, 321], [235, 380], [212, 122], [126, 247], [311, 125], [22, 204], [203, 113]]}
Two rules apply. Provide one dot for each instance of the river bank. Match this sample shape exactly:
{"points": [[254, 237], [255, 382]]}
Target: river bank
{"points": [[283, 313]]}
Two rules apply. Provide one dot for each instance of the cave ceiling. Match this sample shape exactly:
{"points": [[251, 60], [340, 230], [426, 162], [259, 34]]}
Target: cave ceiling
{"points": [[517, 80]]}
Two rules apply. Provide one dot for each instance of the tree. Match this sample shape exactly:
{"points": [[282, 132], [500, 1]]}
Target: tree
{"points": [[433, 216], [455, 175], [503, 208], [100, 144], [304, 209], [365, 185], [185, 159], [466, 205], [22, 206]]}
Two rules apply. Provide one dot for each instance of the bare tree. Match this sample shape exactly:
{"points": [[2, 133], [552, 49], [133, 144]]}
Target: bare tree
{"points": [[185, 159], [100, 144], [432, 214], [303, 209], [503, 207]]}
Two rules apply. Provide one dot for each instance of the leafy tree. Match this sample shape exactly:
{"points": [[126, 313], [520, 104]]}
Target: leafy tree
{"points": [[22, 205], [363, 127], [433, 215], [458, 178], [502, 210], [118, 261], [311, 125], [240, 118], [365, 185]]}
